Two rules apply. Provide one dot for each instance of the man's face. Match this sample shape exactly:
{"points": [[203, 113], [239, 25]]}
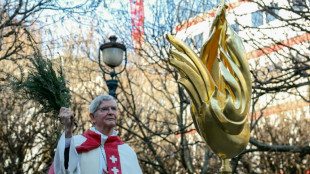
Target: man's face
{"points": [[106, 114]]}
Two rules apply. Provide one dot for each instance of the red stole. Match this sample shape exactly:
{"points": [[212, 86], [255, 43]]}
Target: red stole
{"points": [[110, 146]]}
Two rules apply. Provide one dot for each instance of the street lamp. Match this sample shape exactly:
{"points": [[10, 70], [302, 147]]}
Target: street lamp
{"points": [[113, 54]]}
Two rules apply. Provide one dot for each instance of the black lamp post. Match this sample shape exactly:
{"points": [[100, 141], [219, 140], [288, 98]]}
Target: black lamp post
{"points": [[113, 54]]}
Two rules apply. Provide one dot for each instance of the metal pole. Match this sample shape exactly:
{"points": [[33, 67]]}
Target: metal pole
{"points": [[112, 85]]}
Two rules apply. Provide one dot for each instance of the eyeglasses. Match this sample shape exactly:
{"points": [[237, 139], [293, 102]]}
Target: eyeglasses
{"points": [[107, 109]]}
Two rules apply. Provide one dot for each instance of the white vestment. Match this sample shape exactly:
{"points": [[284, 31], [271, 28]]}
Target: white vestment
{"points": [[93, 161]]}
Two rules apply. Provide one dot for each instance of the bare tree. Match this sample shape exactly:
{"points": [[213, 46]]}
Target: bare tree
{"points": [[18, 18], [281, 83], [28, 138], [288, 68], [286, 74], [155, 108]]}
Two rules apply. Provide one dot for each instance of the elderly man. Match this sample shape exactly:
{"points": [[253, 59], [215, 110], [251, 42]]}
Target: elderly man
{"points": [[98, 150]]}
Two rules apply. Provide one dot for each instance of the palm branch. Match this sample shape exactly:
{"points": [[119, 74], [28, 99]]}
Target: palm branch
{"points": [[45, 86]]}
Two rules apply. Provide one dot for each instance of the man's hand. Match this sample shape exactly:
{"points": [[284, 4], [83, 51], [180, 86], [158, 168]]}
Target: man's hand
{"points": [[65, 115]]}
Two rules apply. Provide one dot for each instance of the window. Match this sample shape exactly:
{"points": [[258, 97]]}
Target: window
{"points": [[208, 5], [257, 19], [235, 27], [299, 5], [186, 11], [272, 11], [198, 40], [188, 41]]}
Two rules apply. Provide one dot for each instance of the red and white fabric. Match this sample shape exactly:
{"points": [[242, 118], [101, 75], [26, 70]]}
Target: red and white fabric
{"points": [[88, 157]]}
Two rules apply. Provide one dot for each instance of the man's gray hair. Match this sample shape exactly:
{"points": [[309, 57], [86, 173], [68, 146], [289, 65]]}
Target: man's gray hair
{"points": [[97, 102]]}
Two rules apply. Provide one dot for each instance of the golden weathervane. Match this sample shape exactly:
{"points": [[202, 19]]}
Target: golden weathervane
{"points": [[219, 85]]}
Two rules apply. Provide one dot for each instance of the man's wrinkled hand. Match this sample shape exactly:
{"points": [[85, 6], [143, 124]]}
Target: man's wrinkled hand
{"points": [[66, 116]]}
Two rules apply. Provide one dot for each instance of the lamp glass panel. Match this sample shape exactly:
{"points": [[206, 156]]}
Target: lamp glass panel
{"points": [[112, 57]]}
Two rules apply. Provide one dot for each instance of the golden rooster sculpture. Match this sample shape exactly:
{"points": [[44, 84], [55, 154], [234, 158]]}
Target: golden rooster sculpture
{"points": [[219, 85]]}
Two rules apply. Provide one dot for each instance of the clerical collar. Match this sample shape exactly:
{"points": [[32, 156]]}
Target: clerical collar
{"points": [[103, 137]]}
